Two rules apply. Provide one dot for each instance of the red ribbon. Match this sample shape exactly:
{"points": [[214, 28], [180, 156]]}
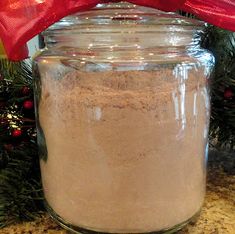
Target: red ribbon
{"points": [[21, 20]]}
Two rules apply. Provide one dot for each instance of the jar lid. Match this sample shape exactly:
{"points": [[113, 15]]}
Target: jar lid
{"points": [[125, 14], [124, 25]]}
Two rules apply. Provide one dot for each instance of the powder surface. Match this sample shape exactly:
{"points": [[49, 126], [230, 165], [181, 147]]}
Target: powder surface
{"points": [[126, 149]]}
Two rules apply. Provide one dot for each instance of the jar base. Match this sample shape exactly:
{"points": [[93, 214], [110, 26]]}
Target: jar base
{"points": [[79, 230]]}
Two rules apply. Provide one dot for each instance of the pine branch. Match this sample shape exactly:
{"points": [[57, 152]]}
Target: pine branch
{"points": [[20, 184], [222, 128]]}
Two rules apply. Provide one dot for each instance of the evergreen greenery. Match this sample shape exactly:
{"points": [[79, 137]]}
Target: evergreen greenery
{"points": [[222, 128], [20, 186]]}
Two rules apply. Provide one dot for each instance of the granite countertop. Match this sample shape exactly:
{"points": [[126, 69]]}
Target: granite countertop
{"points": [[217, 215]]}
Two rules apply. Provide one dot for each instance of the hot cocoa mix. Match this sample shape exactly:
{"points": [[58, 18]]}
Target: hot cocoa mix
{"points": [[125, 148]]}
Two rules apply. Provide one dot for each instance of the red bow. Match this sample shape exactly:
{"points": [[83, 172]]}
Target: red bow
{"points": [[20, 20]]}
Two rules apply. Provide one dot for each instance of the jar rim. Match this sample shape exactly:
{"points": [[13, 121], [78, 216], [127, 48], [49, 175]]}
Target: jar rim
{"points": [[125, 14]]}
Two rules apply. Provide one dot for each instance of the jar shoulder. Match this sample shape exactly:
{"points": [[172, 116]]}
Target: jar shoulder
{"points": [[163, 56]]}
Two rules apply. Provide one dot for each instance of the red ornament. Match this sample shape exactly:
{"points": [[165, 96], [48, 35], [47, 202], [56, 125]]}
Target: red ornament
{"points": [[16, 133], [28, 104], [25, 90], [228, 93]]}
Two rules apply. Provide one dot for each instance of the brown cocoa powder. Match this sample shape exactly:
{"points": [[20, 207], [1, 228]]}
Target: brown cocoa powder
{"points": [[125, 148]]}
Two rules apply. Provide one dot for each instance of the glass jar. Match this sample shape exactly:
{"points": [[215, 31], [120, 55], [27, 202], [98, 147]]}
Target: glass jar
{"points": [[122, 115]]}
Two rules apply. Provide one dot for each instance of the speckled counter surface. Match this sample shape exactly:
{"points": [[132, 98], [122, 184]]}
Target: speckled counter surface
{"points": [[218, 212]]}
